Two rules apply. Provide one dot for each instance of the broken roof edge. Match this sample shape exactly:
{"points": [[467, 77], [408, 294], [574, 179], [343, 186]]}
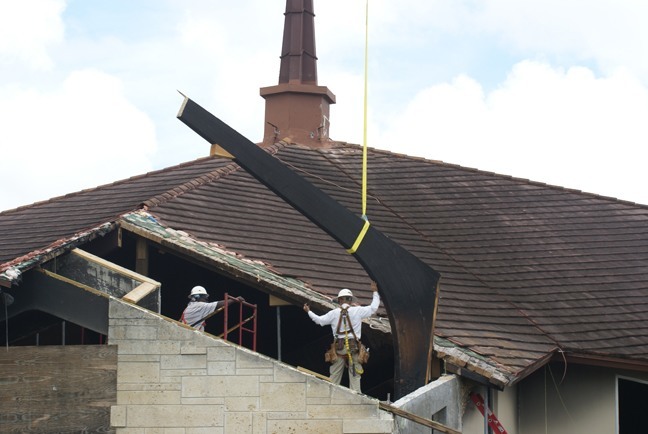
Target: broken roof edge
{"points": [[11, 272], [256, 272], [262, 275], [145, 224], [467, 360]]}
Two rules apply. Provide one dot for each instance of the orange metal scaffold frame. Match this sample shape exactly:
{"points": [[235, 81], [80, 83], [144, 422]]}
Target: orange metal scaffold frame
{"points": [[240, 326]]}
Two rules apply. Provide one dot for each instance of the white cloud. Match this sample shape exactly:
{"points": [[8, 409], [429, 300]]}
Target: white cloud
{"points": [[566, 128], [434, 70], [607, 32], [28, 28], [83, 134]]}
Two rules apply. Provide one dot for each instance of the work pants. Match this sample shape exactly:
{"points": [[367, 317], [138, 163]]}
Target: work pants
{"points": [[337, 369]]}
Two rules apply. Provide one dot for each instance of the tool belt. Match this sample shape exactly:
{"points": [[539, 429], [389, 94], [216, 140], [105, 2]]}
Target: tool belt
{"points": [[339, 348]]}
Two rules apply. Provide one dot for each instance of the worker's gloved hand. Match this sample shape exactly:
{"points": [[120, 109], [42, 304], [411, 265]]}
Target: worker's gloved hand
{"points": [[239, 298], [306, 308]]}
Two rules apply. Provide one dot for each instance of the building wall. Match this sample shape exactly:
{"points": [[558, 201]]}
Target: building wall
{"points": [[173, 379], [583, 401], [506, 408], [439, 401]]}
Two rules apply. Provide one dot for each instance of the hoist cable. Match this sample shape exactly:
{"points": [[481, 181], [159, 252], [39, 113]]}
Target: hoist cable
{"points": [[364, 229], [364, 135]]}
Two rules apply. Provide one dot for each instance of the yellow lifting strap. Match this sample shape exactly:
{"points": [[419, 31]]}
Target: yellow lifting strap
{"points": [[364, 229]]}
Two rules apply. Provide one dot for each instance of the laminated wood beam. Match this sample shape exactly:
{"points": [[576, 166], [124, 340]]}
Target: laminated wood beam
{"points": [[407, 285]]}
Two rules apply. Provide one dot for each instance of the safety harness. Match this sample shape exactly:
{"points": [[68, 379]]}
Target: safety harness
{"points": [[347, 326]]}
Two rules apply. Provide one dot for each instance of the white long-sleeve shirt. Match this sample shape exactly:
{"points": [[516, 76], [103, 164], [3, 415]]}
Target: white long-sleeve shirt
{"points": [[355, 314], [197, 310]]}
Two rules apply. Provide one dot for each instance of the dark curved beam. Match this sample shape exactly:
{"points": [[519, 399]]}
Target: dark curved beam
{"points": [[407, 285]]}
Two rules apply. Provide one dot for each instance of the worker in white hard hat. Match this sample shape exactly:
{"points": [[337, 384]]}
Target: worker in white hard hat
{"points": [[346, 324], [199, 307]]}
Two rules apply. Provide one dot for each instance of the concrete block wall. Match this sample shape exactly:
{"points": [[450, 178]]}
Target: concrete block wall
{"points": [[439, 400], [172, 379]]}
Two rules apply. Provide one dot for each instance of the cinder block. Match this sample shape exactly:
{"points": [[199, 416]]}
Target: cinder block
{"points": [[119, 309], [221, 368], [148, 398], [206, 387], [286, 415], [305, 426], [138, 322], [204, 401], [116, 332], [183, 361], [118, 416], [345, 411], [149, 358], [316, 388], [146, 387], [259, 423], [248, 403], [149, 347], [211, 430], [140, 332], [136, 372], [266, 372], [175, 374], [192, 348], [224, 353], [246, 360], [367, 426], [174, 416], [266, 379], [343, 395], [283, 396], [238, 423], [283, 374], [318, 401]]}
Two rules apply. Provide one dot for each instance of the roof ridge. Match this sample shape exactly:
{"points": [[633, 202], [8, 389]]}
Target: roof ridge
{"points": [[102, 186], [206, 178], [499, 175], [195, 183]]}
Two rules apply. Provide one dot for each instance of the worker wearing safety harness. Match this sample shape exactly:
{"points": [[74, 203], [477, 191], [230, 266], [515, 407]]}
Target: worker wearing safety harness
{"points": [[346, 323], [199, 308]]}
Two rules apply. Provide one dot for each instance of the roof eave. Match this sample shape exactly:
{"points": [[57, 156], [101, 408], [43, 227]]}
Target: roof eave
{"points": [[11, 272]]}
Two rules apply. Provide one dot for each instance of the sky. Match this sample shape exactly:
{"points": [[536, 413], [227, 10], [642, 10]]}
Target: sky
{"points": [[555, 91]]}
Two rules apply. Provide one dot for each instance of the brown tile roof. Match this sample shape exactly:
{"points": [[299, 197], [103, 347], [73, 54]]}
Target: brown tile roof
{"points": [[34, 227], [527, 269]]}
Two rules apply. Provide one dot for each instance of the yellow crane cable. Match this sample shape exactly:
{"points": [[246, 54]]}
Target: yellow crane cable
{"points": [[364, 229], [364, 138]]}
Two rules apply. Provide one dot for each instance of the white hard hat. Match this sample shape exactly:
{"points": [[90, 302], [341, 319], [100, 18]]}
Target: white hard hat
{"points": [[345, 293], [198, 290]]}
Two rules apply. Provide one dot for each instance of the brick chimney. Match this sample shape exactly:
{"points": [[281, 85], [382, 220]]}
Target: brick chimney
{"points": [[297, 109]]}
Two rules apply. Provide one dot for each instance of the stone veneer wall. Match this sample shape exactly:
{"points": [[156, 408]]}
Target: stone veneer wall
{"points": [[172, 379]]}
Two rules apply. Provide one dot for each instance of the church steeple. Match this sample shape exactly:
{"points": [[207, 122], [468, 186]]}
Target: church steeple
{"points": [[297, 108], [298, 58]]}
